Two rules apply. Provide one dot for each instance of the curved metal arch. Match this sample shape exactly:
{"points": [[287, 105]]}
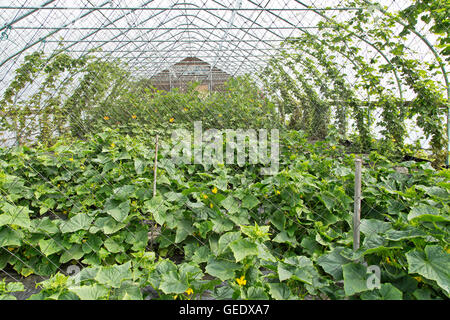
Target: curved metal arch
{"points": [[65, 25], [181, 32], [437, 57], [23, 16], [362, 39], [252, 35], [302, 30], [424, 40]]}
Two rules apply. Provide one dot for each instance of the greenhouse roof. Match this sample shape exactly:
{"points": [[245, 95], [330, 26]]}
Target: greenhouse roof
{"points": [[236, 36]]}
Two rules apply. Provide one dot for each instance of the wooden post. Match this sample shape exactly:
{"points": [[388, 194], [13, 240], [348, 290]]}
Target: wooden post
{"points": [[155, 167], [357, 207]]}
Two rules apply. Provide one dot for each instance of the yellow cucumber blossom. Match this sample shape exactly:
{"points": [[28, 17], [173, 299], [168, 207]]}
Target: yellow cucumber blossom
{"points": [[241, 281]]}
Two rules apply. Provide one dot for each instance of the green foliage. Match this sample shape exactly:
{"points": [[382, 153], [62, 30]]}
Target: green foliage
{"points": [[235, 233]]}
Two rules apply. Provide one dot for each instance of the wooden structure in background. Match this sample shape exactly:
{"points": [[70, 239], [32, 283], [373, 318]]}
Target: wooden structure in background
{"points": [[190, 70]]}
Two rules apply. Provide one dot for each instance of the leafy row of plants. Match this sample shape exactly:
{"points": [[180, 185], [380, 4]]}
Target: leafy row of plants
{"points": [[55, 96], [329, 70], [226, 231]]}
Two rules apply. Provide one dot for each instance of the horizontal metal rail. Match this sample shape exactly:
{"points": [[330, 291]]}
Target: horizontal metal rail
{"points": [[178, 8], [164, 28]]}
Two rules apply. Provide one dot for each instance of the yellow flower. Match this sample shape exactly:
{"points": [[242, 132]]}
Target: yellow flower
{"points": [[211, 205], [220, 114], [134, 116], [333, 147], [189, 291], [171, 120], [447, 250], [185, 109], [205, 196], [112, 145], [241, 281], [419, 279], [106, 117], [175, 297], [11, 249], [71, 159], [214, 190], [277, 192]]}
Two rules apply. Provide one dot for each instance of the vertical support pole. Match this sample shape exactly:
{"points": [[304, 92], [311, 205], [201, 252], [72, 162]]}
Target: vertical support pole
{"points": [[448, 138], [155, 167], [357, 207]]}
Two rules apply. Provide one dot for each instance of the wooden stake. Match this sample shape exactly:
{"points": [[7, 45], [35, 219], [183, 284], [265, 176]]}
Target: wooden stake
{"points": [[155, 167], [357, 207]]}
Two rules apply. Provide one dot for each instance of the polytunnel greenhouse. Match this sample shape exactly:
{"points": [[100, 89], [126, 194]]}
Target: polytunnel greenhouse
{"points": [[224, 150]]}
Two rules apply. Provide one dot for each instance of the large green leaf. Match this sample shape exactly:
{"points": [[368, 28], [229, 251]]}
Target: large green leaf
{"points": [[173, 282], [279, 291], [225, 240], [10, 237], [129, 291], [92, 292], [256, 293], [370, 226], [230, 204], [386, 292], [407, 233], [107, 224], [75, 252], [332, 263], [355, 278], [283, 237], [118, 210], [433, 264], [250, 201], [157, 208], [298, 268], [184, 228], [242, 248], [14, 215], [425, 212], [50, 246], [77, 222], [114, 275], [222, 269]]}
